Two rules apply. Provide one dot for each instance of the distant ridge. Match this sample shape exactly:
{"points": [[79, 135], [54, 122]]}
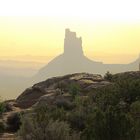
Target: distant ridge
{"points": [[73, 60]]}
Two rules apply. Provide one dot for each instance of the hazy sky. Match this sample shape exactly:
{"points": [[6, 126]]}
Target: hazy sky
{"points": [[110, 29]]}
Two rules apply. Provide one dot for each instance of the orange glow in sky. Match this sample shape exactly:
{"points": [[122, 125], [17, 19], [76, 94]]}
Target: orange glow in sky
{"points": [[110, 30]]}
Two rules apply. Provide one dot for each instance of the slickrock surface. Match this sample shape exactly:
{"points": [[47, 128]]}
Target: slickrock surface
{"points": [[60, 86]]}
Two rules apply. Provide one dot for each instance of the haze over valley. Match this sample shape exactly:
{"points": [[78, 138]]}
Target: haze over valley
{"points": [[32, 40], [70, 70], [17, 75]]}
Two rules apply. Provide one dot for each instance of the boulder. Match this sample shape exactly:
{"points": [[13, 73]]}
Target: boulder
{"points": [[47, 90]]}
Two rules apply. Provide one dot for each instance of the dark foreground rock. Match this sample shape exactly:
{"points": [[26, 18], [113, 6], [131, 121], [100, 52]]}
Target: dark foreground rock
{"points": [[51, 88]]}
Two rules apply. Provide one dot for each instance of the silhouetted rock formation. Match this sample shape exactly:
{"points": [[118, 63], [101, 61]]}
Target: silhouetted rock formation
{"points": [[72, 44], [73, 61]]}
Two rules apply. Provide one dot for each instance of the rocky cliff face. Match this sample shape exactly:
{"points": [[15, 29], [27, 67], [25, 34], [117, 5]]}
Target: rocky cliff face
{"points": [[59, 87]]}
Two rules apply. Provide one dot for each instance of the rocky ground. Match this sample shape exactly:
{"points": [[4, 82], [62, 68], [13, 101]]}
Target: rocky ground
{"points": [[54, 90], [7, 136], [59, 87]]}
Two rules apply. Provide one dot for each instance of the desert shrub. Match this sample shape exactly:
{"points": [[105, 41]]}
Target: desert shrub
{"points": [[108, 113], [119, 124], [47, 130], [2, 127], [135, 111], [108, 76], [2, 108], [74, 89], [95, 126], [129, 89], [57, 114], [45, 112], [115, 102], [61, 131], [13, 122], [82, 101], [106, 96], [64, 103], [76, 118]]}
